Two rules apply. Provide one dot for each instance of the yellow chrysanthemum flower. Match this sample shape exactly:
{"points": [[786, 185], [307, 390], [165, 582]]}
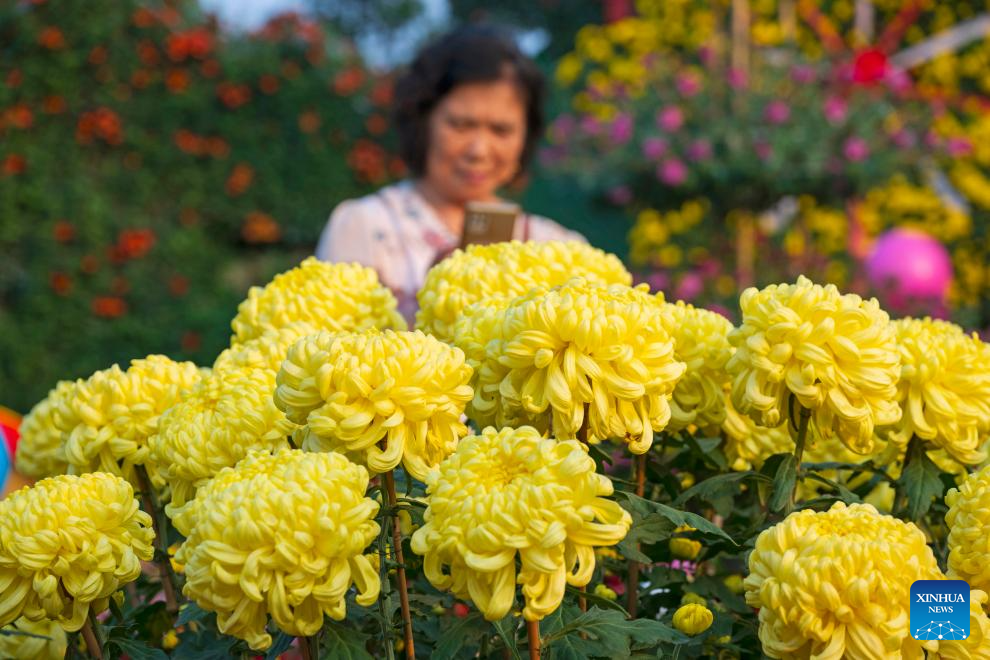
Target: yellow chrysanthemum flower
{"points": [[36, 648], [944, 388], [328, 296], [582, 346], [215, 425], [508, 269], [40, 452], [807, 345], [354, 390], [66, 544], [969, 530], [512, 492], [746, 444], [283, 536], [693, 619], [974, 647], [838, 583], [108, 418], [701, 341], [265, 351]]}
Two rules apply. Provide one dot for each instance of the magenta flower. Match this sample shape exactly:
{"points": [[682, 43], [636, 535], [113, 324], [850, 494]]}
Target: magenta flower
{"points": [[763, 150], [670, 119], [590, 125], [654, 148], [699, 150], [620, 195], [855, 149], [835, 109], [777, 112], [621, 129], [959, 146], [672, 171], [803, 74], [562, 128], [737, 79], [687, 84], [904, 139], [690, 286]]}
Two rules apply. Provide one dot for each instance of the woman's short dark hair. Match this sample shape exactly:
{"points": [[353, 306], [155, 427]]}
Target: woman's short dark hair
{"points": [[470, 54]]}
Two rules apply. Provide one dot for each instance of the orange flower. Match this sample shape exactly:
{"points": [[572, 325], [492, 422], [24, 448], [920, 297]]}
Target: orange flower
{"points": [[348, 81], [191, 341], [109, 307], [233, 95], [210, 69], [178, 285], [52, 38], [367, 159], [143, 18], [376, 124], [192, 43], [89, 264], [148, 53], [53, 104], [188, 142], [140, 79], [60, 283], [102, 124], [177, 80], [64, 231], [260, 227], [19, 116], [13, 164], [239, 180], [98, 55], [135, 243], [381, 93], [268, 83], [14, 78], [309, 121], [217, 147]]}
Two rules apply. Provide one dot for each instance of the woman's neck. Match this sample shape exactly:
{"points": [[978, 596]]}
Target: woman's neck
{"points": [[450, 212]]}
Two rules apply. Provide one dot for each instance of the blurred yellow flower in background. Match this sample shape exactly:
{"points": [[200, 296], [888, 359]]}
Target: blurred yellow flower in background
{"points": [[328, 296], [510, 493], [283, 536], [67, 544], [968, 519]]}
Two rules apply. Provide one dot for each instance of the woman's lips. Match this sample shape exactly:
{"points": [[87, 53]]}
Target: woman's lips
{"points": [[474, 178]]}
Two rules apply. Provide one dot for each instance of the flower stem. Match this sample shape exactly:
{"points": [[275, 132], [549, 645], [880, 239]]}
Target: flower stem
{"points": [[89, 635], [309, 647], [805, 417], [533, 630], [632, 581], [161, 543], [400, 570], [582, 601]]}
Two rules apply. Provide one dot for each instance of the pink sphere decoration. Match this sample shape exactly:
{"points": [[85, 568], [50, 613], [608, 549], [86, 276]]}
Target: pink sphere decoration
{"points": [[909, 265]]}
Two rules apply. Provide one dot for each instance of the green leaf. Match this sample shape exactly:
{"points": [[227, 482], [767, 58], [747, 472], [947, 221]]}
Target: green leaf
{"points": [[608, 633], [138, 650], [845, 494], [675, 516], [920, 481], [506, 629], [647, 530], [190, 612], [456, 638], [717, 486], [783, 483], [601, 602], [281, 644], [343, 643]]}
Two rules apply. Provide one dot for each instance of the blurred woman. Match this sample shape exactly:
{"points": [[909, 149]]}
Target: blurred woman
{"points": [[469, 114]]}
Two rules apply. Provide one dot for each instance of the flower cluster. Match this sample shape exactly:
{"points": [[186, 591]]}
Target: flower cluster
{"points": [[380, 397], [579, 354], [969, 528], [283, 536], [510, 493], [329, 296], [107, 419], [701, 342], [39, 452], [944, 388], [507, 269], [67, 544], [837, 583], [810, 346]]}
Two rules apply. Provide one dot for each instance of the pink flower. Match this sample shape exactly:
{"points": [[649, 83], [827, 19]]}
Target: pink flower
{"points": [[737, 79], [699, 150], [855, 149], [591, 125], [835, 109], [654, 148], [672, 172], [670, 119], [763, 150], [689, 287], [621, 129], [904, 139], [620, 195], [959, 146], [777, 112], [562, 128], [687, 84], [803, 74]]}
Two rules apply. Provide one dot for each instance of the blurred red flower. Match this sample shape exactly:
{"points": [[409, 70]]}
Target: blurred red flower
{"points": [[13, 164], [63, 231], [14, 78], [148, 53], [102, 124], [89, 264], [177, 80], [870, 66], [260, 227], [108, 307], [210, 69], [51, 38], [233, 95], [268, 83], [60, 282], [191, 341], [239, 179], [376, 124], [367, 159], [135, 243], [348, 81], [197, 43], [143, 17], [382, 92], [19, 116], [97, 56], [309, 121], [178, 285], [53, 104]]}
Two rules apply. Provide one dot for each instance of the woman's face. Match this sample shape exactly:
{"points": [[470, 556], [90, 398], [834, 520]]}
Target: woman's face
{"points": [[477, 134]]}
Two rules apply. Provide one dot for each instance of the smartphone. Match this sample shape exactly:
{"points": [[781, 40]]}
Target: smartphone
{"points": [[489, 222]]}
